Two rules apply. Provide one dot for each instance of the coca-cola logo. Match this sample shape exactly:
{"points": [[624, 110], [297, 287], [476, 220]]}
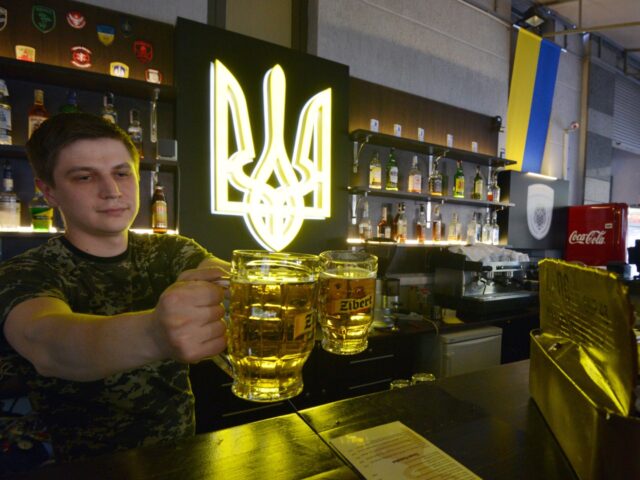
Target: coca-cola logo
{"points": [[594, 237]]}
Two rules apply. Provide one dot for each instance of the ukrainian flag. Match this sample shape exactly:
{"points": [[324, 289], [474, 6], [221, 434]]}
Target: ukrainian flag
{"points": [[533, 81]]}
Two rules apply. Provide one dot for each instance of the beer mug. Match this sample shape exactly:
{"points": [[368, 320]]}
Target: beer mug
{"points": [[271, 326], [346, 299]]}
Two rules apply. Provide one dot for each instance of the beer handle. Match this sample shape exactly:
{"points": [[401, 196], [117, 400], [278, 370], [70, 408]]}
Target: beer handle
{"points": [[222, 361]]}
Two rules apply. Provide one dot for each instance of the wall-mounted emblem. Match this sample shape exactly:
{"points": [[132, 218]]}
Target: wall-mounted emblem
{"points": [[106, 34], [119, 69], [76, 20], [25, 53], [43, 18], [540, 200], [279, 192], [152, 75], [4, 17], [80, 56], [143, 51]]}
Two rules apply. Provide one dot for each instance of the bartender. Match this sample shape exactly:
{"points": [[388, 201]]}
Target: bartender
{"points": [[106, 321]]}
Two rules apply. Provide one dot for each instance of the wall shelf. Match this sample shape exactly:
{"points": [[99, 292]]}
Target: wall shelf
{"points": [[80, 79], [399, 143], [424, 197]]}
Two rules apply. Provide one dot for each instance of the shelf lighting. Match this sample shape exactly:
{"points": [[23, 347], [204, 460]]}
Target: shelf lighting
{"points": [[539, 175]]}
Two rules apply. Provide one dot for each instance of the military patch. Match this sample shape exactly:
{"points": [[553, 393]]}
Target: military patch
{"points": [[4, 15], [25, 53], [126, 25], [43, 18], [143, 51], [119, 69], [152, 75], [106, 34], [76, 19], [80, 56]]}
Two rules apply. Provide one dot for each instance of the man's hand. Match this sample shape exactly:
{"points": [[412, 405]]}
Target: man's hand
{"points": [[187, 321]]}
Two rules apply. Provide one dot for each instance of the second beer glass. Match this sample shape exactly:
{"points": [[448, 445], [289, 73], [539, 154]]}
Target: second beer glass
{"points": [[271, 322], [346, 300]]}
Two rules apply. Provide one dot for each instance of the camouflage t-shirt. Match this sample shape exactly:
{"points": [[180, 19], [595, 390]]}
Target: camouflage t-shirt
{"points": [[143, 406]]}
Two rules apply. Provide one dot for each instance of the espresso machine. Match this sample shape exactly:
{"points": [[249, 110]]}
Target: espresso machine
{"points": [[478, 289]]}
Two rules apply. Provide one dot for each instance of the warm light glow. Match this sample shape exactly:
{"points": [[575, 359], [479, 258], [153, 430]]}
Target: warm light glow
{"points": [[28, 229], [273, 214], [539, 175], [412, 242]]}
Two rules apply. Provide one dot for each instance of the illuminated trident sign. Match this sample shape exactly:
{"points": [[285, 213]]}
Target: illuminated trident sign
{"points": [[273, 213]]}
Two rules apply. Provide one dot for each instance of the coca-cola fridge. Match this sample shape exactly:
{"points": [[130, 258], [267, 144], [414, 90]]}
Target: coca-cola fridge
{"points": [[596, 234]]}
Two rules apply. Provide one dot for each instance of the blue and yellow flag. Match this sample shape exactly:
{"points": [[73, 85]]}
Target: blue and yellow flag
{"points": [[533, 82]]}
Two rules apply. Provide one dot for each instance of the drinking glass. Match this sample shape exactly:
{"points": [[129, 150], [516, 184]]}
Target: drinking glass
{"points": [[272, 310], [346, 299]]}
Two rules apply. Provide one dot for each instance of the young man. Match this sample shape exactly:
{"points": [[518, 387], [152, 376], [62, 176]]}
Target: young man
{"points": [[105, 321]]}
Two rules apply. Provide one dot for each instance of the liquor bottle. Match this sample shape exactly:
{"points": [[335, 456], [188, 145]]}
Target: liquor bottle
{"points": [[375, 172], [41, 212], [486, 229], [472, 229], [394, 223], [392, 172], [458, 182], [454, 228], [72, 103], [414, 180], [37, 113], [401, 225], [421, 225], [436, 233], [490, 190], [495, 190], [159, 210], [478, 185], [384, 229], [109, 112], [364, 227], [5, 115], [135, 131], [435, 180], [495, 229], [9, 202]]}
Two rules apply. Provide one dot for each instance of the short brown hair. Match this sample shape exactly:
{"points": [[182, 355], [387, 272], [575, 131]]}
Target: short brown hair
{"points": [[61, 130]]}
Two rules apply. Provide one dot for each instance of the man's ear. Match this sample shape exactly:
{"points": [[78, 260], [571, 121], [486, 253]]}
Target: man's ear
{"points": [[47, 191]]}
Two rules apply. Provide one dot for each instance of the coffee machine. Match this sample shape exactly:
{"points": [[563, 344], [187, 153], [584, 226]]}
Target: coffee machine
{"points": [[478, 289]]}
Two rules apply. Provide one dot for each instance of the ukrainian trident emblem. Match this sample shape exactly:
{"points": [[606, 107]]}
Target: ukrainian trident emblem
{"points": [[279, 193]]}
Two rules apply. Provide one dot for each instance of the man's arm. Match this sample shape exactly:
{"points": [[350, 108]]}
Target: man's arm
{"points": [[185, 325]]}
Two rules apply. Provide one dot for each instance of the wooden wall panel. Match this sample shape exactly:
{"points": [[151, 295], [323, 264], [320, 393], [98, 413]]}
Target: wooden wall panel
{"points": [[369, 100]]}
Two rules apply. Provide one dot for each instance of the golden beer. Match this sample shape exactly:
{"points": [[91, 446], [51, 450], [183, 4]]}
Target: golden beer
{"points": [[271, 328], [346, 300]]}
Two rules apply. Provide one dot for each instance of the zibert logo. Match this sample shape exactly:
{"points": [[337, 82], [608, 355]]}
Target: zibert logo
{"points": [[278, 192]]}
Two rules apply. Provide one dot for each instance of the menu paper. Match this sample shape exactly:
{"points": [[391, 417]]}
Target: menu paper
{"points": [[394, 451]]}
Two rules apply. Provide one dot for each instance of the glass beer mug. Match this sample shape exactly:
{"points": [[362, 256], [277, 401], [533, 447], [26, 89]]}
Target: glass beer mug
{"points": [[346, 299], [272, 310]]}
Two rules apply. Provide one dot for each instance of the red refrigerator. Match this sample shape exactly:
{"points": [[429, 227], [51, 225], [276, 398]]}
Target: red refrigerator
{"points": [[596, 234]]}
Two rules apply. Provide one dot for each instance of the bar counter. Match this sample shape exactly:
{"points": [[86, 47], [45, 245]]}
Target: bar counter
{"points": [[485, 420]]}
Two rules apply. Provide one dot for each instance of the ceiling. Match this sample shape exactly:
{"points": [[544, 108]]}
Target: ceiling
{"points": [[599, 15]]}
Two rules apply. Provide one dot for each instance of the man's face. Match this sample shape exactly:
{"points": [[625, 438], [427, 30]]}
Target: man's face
{"points": [[96, 187]]}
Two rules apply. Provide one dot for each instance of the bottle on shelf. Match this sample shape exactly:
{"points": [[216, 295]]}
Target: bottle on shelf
{"points": [[401, 224], [436, 233], [454, 228], [384, 229], [486, 229], [72, 103], [41, 212], [458, 182], [392, 172], [9, 202], [5, 115], [435, 179], [477, 193], [414, 179], [159, 214], [495, 190], [364, 227], [421, 225], [109, 112], [375, 172], [472, 230], [495, 229], [135, 131], [37, 113]]}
